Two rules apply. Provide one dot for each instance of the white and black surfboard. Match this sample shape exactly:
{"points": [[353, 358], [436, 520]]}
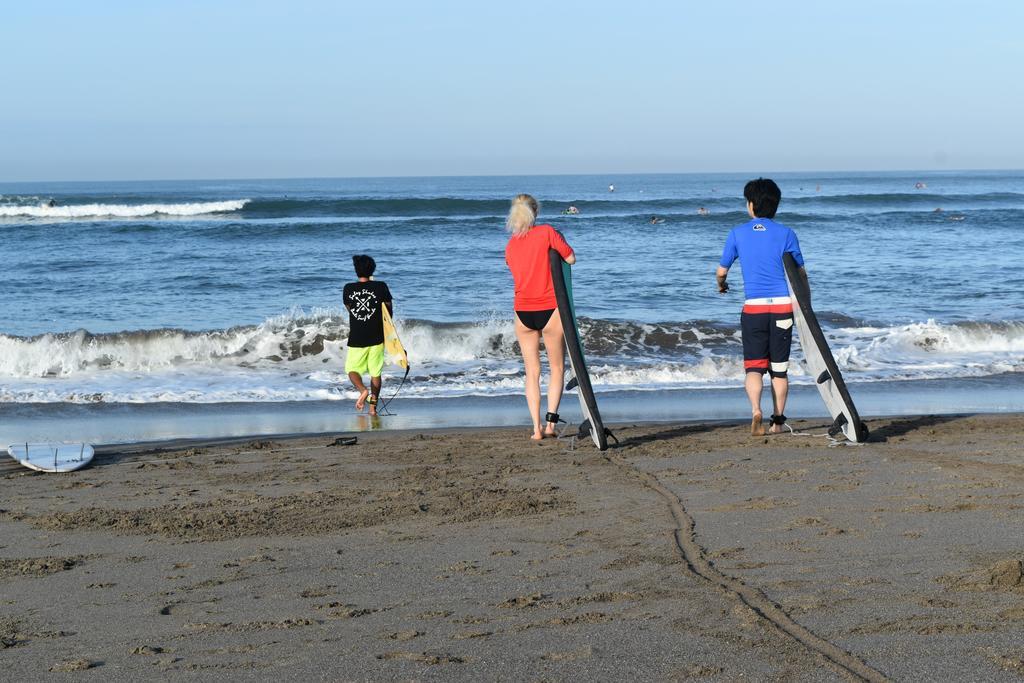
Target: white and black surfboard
{"points": [[821, 365], [561, 274]]}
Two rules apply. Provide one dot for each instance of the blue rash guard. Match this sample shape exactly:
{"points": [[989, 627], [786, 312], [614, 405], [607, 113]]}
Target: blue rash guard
{"points": [[759, 244]]}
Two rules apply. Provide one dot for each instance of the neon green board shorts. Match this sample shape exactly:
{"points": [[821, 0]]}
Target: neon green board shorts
{"points": [[365, 359]]}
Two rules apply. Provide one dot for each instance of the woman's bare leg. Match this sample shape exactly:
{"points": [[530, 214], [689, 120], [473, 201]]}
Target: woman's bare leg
{"points": [[554, 345], [529, 345]]}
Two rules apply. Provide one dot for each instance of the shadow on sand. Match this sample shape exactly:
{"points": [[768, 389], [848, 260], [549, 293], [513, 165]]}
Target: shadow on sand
{"points": [[900, 427], [627, 441], [148, 451]]}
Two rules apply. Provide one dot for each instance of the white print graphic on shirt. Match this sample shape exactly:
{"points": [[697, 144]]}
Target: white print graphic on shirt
{"points": [[759, 228], [364, 305]]}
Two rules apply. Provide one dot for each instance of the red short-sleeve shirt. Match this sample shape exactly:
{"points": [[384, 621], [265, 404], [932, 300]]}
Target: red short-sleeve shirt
{"points": [[527, 257]]}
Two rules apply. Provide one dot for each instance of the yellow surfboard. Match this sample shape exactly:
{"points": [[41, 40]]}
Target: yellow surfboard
{"points": [[394, 352]]}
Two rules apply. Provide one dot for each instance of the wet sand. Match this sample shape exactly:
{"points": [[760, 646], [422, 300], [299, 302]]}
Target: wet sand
{"points": [[691, 552]]}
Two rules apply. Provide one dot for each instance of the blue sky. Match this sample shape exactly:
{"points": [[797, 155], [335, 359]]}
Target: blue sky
{"points": [[147, 90]]}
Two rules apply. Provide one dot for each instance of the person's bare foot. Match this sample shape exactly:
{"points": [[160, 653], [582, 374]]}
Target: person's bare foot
{"points": [[550, 431], [361, 401], [537, 436], [373, 405], [775, 429], [757, 425]]}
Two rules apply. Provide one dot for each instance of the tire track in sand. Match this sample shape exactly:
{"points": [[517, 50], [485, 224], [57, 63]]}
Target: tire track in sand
{"points": [[692, 553]]}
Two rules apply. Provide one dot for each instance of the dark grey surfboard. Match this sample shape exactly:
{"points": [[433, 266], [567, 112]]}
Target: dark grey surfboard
{"points": [[821, 364], [561, 275]]}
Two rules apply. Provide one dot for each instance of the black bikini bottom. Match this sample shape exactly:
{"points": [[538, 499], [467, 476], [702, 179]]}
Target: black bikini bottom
{"points": [[535, 320]]}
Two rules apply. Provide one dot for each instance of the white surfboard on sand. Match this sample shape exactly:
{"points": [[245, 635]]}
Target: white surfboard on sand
{"points": [[52, 457]]}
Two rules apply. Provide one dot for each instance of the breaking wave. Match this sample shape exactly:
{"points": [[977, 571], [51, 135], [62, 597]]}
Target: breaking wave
{"points": [[71, 211], [300, 356]]}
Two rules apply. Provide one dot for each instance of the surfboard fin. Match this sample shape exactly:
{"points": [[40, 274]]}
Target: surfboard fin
{"points": [[862, 431], [586, 428], [838, 425], [824, 377], [572, 384]]}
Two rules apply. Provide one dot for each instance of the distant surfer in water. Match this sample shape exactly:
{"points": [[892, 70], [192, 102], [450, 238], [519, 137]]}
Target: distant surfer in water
{"points": [[766, 322], [526, 255], [364, 300]]}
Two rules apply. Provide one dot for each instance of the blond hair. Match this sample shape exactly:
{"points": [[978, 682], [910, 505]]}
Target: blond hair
{"points": [[522, 215]]}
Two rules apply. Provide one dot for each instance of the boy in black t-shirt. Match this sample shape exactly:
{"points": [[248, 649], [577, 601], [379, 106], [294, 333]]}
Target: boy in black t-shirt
{"points": [[364, 300]]}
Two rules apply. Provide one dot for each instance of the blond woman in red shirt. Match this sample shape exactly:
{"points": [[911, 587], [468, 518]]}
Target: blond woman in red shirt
{"points": [[527, 257]]}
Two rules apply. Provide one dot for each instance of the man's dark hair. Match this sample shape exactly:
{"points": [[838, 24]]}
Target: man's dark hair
{"points": [[365, 265], [765, 195]]}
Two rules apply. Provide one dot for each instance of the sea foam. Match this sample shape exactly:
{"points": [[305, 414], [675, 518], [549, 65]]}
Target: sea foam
{"points": [[120, 210], [300, 356]]}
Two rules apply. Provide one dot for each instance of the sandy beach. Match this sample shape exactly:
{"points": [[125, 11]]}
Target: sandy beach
{"points": [[690, 552]]}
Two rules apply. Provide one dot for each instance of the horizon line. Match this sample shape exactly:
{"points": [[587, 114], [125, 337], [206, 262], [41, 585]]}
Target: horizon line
{"points": [[510, 175]]}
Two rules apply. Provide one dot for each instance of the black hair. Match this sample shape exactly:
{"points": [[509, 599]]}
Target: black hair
{"points": [[765, 195], [365, 265]]}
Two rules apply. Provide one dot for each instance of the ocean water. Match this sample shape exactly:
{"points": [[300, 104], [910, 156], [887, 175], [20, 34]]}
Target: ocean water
{"points": [[228, 292]]}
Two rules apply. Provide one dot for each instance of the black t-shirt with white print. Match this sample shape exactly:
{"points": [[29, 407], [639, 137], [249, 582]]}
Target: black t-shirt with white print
{"points": [[365, 321]]}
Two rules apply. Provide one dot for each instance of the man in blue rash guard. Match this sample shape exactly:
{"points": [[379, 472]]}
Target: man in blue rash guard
{"points": [[766, 322]]}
